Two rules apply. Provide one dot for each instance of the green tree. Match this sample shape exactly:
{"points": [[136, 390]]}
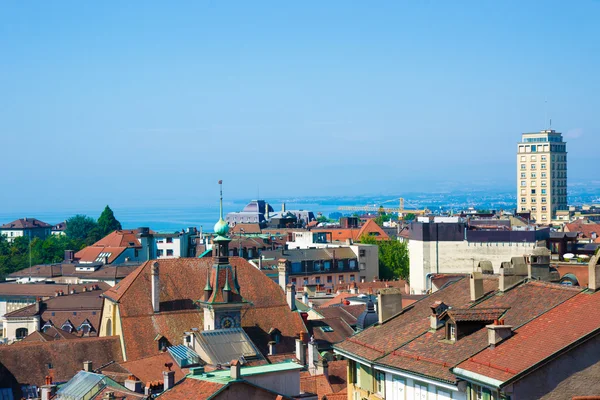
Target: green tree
{"points": [[80, 226], [322, 218], [107, 222], [381, 218], [409, 217], [393, 257]]}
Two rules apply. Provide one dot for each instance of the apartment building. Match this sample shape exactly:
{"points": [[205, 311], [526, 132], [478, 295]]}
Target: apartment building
{"points": [[542, 175]]}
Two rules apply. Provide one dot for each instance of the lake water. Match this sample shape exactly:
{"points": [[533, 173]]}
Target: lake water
{"points": [[164, 218]]}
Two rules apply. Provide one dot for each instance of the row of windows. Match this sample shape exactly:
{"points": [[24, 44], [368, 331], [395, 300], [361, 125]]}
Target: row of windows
{"points": [[161, 252], [542, 148], [329, 279], [557, 157]]}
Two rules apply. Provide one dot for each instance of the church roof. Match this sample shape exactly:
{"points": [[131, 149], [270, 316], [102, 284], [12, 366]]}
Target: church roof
{"points": [[182, 284]]}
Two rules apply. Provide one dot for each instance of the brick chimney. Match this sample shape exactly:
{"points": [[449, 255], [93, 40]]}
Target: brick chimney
{"points": [[497, 332], [48, 390], [476, 285], [272, 350], [134, 384], [155, 288], [389, 303], [235, 370]]}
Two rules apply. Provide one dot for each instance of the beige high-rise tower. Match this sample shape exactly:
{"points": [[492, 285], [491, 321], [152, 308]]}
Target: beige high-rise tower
{"points": [[542, 175]]}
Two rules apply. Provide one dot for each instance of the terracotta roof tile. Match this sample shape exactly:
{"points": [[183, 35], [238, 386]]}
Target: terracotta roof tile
{"points": [[182, 284], [29, 363], [192, 389], [151, 368], [340, 330], [560, 327], [406, 341], [585, 229]]}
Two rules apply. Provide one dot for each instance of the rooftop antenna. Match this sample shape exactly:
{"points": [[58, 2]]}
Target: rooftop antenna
{"points": [[221, 198]]}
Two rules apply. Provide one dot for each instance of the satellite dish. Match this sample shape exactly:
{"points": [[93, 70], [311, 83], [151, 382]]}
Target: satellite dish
{"points": [[569, 255]]}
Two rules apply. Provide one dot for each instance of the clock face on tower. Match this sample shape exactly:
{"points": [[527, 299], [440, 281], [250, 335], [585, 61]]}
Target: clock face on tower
{"points": [[227, 322]]}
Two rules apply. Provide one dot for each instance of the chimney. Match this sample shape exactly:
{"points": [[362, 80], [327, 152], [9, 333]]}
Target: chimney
{"points": [[282, 268], [353, 288], [155, 288], [497, 332], [88, 366], [168, 379], [476, 285], [272, 347], [323, 368], [105, 260], [436, 310], [134, 384], [300, 353], [305, 297], [48, 390], [282, 207], [235, 370], [389, 303], [38, 306], [313, 356], [290, 295], [594, 273], [266, 210]]}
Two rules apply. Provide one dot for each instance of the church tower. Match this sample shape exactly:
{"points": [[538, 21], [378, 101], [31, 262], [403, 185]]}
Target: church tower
{"points": [[222, 301]]}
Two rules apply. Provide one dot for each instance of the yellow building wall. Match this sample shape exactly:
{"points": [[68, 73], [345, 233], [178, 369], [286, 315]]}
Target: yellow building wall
{"points": [[110, 324]]}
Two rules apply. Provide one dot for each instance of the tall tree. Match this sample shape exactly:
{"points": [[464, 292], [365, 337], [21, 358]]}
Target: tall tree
{"points": [[80, 226], [107, 222], [393, 257]]}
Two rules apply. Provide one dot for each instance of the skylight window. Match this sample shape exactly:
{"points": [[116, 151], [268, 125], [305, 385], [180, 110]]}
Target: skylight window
{"points": [[327, 329]]}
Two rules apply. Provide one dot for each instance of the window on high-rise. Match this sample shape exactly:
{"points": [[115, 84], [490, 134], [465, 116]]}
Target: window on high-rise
{"points": [[523, 166], [523, 200], [532, 166]]}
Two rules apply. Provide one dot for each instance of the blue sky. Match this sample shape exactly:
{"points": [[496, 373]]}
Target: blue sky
{"points": [[139, 103]]}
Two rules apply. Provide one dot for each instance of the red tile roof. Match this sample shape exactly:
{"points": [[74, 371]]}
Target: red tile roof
{"points": [[370, 228], [122, 238], [25, 223], [192, 389], [406, 341], [182, 284], [327, 387], [28, 363], [151, 368], [560, 327], [584, 229]]}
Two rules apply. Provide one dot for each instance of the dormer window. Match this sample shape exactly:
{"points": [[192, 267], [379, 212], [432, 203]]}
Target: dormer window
{"points": [[452, 332]]}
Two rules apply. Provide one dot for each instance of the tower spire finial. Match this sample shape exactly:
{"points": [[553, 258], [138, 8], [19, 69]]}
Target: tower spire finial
{"points": [[221, 227]]}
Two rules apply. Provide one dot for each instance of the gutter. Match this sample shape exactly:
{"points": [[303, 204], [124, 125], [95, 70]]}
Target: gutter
{"points": [[477, 377]]}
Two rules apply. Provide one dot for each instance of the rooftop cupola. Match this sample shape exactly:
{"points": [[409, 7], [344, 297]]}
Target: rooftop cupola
{"points": [[222, 301]]}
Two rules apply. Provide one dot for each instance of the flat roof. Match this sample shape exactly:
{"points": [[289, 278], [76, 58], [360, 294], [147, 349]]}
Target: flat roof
{"points": [[224, 376]]}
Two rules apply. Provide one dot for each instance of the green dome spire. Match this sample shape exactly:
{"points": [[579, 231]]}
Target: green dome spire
{"points": [[221, 227]]}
